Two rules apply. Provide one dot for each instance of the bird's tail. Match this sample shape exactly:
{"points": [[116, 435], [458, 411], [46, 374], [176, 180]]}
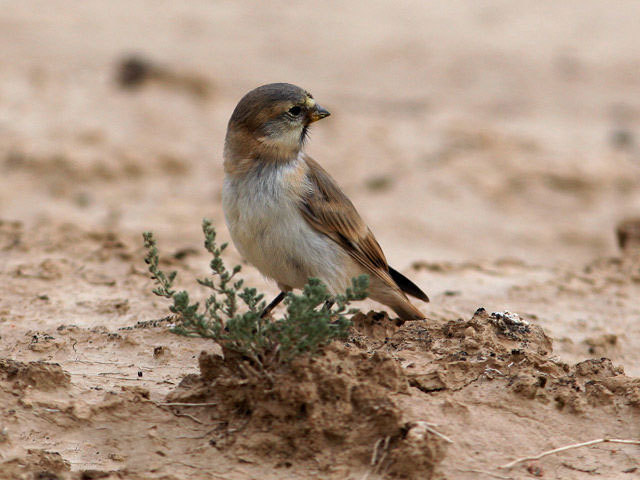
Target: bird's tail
{"points": [[391, 292], [406, 311], [407, 286]]}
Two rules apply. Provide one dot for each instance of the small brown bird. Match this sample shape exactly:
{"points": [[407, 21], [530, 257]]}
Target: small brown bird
{"points": [[287, 216]]}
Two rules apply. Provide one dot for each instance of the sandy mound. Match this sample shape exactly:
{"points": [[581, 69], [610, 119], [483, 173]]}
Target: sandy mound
{"points": [[337, 409], [501, 345], [342, 407]]}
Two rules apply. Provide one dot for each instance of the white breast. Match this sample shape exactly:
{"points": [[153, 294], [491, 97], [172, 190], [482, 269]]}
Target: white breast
{"points": [[263, 217]]}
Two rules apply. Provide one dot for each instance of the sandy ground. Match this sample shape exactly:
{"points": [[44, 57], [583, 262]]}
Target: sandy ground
{"points": [[491, 146]]}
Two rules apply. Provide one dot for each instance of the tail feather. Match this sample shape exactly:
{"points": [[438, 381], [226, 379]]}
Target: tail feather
{"points": [[406, 311], [407, 286]]}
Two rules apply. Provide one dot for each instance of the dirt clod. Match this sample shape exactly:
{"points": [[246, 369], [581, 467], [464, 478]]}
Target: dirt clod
{"points": [[39, 375], [628, 235]]}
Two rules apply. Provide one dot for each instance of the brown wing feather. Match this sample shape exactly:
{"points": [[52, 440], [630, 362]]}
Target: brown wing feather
{"points": [[329, 211]]}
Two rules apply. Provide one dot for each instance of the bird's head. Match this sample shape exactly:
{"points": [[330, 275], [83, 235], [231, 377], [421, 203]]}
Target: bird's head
{"points": [[271, 122]]}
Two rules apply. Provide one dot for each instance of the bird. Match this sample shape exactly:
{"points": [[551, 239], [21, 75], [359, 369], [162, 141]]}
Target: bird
{"points": [[287, 216]]}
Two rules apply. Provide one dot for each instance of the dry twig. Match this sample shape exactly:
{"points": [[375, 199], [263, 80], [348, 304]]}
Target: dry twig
{"points": [[429, 427], [570, 447], [374, 453], [191, 417], [177, 414], [382, 458], [381, 446], [578, 469]]}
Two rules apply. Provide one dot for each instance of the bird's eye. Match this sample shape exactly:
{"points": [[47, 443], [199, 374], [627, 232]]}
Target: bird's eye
{"points": [[295, 111]]}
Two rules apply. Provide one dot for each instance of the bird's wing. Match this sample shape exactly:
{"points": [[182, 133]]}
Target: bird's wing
{"points": [[329, 211]]}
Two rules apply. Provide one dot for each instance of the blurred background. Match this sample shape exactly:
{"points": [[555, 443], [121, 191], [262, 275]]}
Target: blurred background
{"points": [[462, 130]]}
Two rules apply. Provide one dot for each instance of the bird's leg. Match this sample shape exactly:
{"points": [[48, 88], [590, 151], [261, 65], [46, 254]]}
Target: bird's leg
{"points": [[274, 303], [328, 304], [327, 308]]}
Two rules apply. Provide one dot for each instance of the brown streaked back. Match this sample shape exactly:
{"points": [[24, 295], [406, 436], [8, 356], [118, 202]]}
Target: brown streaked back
{"points": [[329, 211]]}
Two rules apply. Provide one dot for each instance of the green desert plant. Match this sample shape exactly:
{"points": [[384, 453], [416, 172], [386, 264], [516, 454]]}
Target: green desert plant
{"points": [[231, 314]]}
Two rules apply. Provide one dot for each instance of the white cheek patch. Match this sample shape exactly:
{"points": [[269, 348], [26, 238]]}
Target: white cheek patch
{"points": [[288, 138]]}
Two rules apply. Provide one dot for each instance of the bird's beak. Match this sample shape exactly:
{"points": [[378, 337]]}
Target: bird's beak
{"points": [[318, 113]]}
